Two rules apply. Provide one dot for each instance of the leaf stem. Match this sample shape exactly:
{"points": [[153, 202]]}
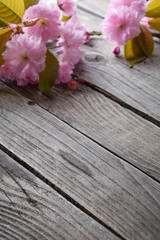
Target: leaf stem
{"points": [[93, 33], [52, 47]]}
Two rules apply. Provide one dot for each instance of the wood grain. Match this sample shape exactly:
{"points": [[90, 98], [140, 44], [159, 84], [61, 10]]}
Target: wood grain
{"points": [[117, 129], [121, 196], [139, 87], [96, 8], [29, 209]]}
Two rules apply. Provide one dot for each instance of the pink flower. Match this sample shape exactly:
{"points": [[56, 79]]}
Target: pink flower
{"points": [[72, 38], [24, 59], [116, 50], [49, 27], [138, 5], [77, 29], [145, 21], [120, 25], [64, 75], [12, 25], [67, 6], [70, 55]]}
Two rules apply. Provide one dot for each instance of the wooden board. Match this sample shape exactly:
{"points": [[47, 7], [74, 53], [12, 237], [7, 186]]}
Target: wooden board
{"points": [[92, 22], [105, 121], [121, 196], [29, 209], [138, 87], [97, 8], [110, 125]]}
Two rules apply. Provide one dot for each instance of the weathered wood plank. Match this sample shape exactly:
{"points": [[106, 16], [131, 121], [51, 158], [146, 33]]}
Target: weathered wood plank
{"points": [[29, 209], [97, 8], [138, 87], [132, 87], [106, 122], [120, 195], [109, 130]]}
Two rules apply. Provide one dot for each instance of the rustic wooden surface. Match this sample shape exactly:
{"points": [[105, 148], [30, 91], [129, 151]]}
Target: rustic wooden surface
{"points": [[83, 164], [32, 210]]}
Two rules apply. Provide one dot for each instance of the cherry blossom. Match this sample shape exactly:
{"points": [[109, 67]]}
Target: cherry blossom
{"points": [[139, 6], [64, 75], [49, 27], [67, 6], [69, 47], [24, 59], [120, 25]]}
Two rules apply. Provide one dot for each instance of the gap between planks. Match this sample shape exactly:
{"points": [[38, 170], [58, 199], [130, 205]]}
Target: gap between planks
{"points": [[68, 96], [58, 190], [27, 201], [92, 167], [140, 96], [124, 104]]}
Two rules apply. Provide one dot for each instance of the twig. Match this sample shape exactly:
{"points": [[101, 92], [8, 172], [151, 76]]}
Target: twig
{"points": [[52, 47], [93, 33]]}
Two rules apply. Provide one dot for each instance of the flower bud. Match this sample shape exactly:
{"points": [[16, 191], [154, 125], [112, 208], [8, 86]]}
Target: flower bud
{"points": [[116, 50]]}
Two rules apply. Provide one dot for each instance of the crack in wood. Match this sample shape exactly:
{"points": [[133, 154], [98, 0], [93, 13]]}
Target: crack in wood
{"points": [[75, 162], [59, 191], [123, 104], [30, 200]]}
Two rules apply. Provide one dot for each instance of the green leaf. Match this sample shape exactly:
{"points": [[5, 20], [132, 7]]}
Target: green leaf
{"points": [[153, 9], [136, 60], [5, 35], [29, 3], [2, 24], [137, 49], [133, 52], [11, 11], [31, 22], [50, 73], [65, 18], [145, 40], [155, 23]]}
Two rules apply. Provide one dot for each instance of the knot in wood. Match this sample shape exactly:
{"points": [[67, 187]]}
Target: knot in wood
{"points": [[94, 57]]}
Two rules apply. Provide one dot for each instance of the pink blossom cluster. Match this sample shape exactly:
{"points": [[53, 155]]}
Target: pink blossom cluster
{"points": [[49, 27], [24, 57], [122, 20], [69, 52], [67, 6]]}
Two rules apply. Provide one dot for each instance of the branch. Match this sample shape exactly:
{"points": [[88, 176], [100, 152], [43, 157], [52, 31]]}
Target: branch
{"points": [[95, 33]]}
